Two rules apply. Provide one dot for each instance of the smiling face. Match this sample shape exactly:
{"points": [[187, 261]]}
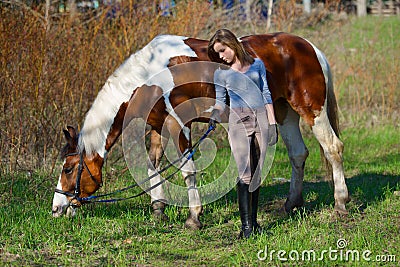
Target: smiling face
{"points": [[225, 52]]}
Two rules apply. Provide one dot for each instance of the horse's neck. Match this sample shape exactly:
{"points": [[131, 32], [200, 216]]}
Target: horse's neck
{"points": [[104, 121], [117, 127]]}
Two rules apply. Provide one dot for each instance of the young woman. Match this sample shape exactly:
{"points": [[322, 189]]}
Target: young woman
{"points": [[251, 119]]}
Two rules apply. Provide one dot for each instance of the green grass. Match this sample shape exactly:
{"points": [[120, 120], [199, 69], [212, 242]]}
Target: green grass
{"points": [[363, 55], [125, 234]]}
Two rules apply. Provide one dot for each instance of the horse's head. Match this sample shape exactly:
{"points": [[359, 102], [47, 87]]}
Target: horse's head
{"points": [[80, 177]]}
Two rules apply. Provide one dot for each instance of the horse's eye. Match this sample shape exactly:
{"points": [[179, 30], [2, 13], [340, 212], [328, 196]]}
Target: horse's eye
{"points": [[68, 170]]}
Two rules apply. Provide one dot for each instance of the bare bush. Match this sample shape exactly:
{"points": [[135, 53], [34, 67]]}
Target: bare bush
{"points": [[51, 72]]}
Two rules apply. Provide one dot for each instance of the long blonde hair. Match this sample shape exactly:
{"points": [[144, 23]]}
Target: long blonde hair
{"points": [[226, 37]]}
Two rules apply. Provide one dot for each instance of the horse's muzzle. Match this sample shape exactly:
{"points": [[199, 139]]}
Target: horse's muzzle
{"points": [[58, 211]]}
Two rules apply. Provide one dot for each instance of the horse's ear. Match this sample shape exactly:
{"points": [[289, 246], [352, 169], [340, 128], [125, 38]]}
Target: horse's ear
{"points": [[70, 135]]}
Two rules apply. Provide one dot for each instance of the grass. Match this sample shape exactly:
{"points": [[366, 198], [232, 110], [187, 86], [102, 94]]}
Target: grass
{"points": [[364, 53], [125, 234]]}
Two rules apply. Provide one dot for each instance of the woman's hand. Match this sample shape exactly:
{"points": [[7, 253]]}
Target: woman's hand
{"points": [[272, 134], [214, 119]]}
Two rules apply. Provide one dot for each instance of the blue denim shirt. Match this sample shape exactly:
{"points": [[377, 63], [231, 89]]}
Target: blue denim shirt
{"points": [[249, 89]]}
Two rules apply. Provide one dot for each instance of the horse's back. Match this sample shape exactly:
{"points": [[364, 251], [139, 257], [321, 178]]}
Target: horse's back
{"points": [[294, 72]]}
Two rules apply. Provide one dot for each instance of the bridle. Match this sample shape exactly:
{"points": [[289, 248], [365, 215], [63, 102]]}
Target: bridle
{"points": [[187, 155], [77, 190]]}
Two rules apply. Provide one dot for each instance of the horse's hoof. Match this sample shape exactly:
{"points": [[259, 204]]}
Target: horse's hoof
{"points": [[193, 224], [341, 211], [281, 212], [291, 205], [160, 216]]}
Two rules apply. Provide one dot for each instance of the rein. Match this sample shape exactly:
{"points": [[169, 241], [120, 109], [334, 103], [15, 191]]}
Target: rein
{"points": [[96, 199], [77, 191]]}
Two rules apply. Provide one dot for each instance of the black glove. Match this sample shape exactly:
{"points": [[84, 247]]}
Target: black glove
{"points": [[214, 119], [272, 134]]}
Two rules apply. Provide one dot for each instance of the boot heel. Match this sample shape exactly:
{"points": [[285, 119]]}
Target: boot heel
{"points": [[254, 207], [244, 201]]}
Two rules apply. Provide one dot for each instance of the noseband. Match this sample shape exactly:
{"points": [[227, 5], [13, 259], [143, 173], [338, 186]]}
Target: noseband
{"points": [[77, 191]]}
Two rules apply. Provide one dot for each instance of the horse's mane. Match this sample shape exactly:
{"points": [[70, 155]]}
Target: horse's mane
{"points": [[119, 87]]}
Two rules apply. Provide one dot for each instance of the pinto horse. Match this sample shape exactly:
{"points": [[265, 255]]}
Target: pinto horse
{"points": [[300, 82]]}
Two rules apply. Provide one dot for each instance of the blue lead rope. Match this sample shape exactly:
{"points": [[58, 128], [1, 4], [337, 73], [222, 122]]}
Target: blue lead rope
{"points": [[194, 149], [91, 199]]}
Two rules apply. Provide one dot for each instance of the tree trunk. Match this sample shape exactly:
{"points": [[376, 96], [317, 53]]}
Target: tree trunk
{"points": [[46, 16], [307, 6], [270, 4], [248, 10], [361, 8]]}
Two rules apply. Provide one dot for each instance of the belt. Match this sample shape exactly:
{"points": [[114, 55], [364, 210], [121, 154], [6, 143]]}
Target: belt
{"points": [[246, 109]]}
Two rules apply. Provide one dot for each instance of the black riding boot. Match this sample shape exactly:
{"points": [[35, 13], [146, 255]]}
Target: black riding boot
{"points": [[244, 199], [254, 207]]}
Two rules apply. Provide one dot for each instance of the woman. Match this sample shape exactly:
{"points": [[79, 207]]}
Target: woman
{"points": [[251, 119]]}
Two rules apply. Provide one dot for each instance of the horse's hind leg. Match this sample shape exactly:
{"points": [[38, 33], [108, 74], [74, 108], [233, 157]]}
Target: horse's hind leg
{"points": [[157, 194], [297, 150], [333, 149]]}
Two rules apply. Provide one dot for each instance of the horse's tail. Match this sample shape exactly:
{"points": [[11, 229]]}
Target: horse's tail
{"points": [[333, 116]]}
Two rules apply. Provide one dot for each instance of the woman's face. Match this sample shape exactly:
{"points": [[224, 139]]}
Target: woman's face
{"points": [[225, 52]]}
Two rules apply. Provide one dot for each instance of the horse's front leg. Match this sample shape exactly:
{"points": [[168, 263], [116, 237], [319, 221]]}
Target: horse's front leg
{"points": [[195, 207], [156, 151], [182, 142]]}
